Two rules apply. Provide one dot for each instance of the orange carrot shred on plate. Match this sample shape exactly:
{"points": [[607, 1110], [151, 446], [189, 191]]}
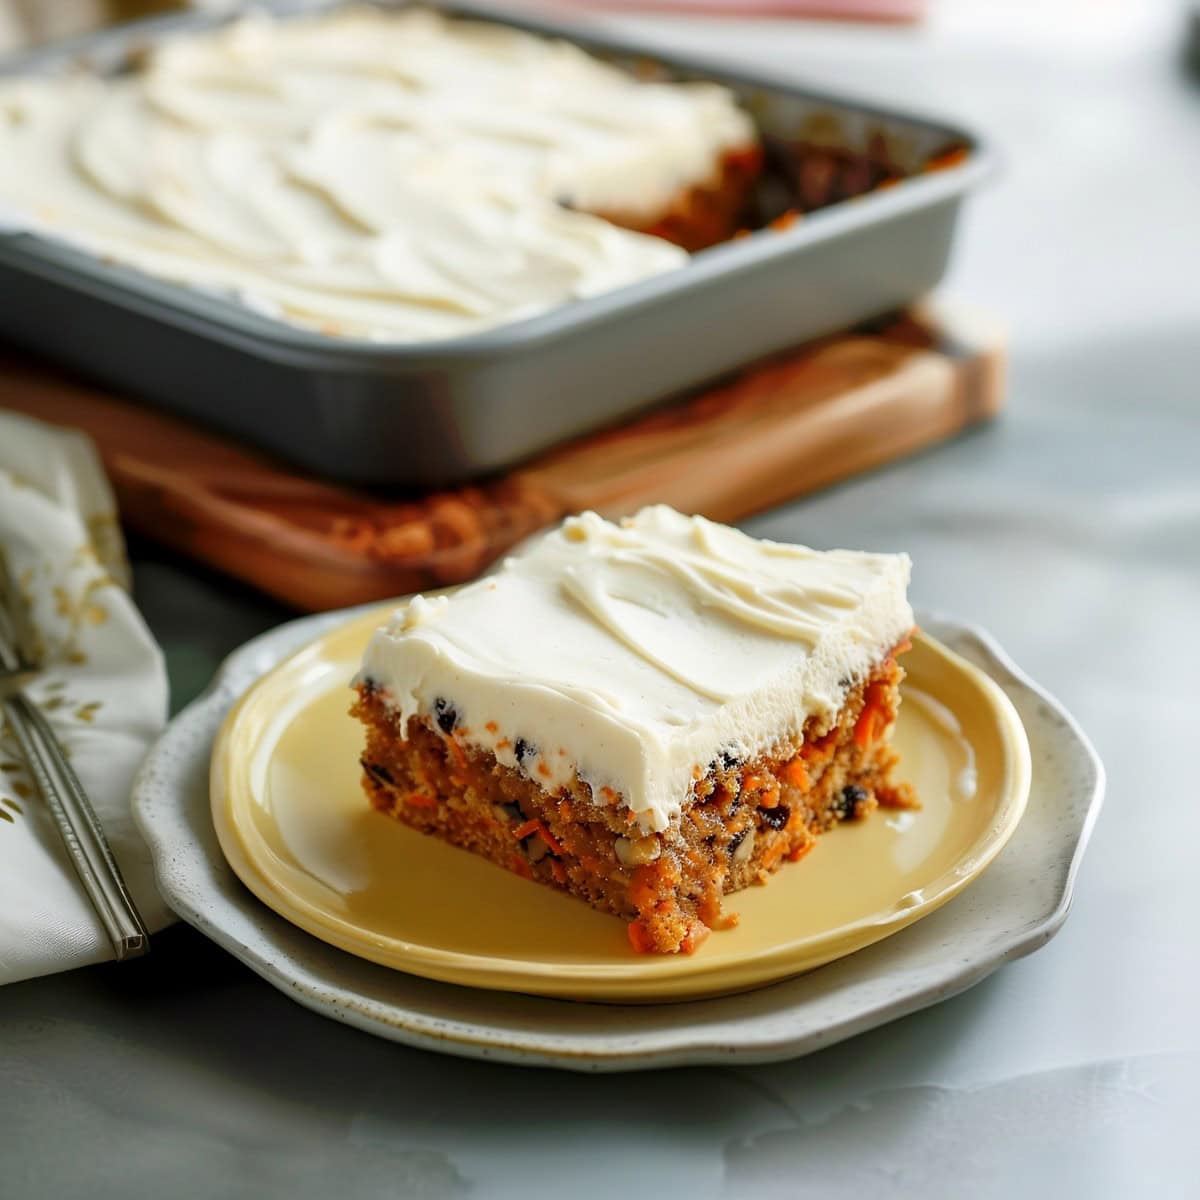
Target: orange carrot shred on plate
{"points": [[491, 727]]}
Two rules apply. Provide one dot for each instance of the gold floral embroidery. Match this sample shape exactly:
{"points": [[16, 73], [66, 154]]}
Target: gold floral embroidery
{"points": [[13, 777], [105, 540], [58, 641]]}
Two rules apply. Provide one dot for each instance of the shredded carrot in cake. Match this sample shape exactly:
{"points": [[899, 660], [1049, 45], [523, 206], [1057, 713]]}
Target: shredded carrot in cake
{"points": [[864, 730], [417, 800], [774, 854], [539, 827], [694, 938], [873, 719], [823, 747], [644, 889], [796, 774]]}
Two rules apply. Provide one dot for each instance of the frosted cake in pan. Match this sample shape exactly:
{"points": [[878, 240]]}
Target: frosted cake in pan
{"points": [[391, 175]]}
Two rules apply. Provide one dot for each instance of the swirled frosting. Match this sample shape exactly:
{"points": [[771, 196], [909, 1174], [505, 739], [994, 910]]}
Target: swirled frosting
{"points": [[388, 175], [633, 653]]}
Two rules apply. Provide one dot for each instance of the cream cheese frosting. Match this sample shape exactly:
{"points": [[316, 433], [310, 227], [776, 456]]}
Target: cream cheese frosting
{"points": [[631, 654], [397, 176]]}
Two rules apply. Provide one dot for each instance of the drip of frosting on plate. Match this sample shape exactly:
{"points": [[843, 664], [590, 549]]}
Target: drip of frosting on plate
{"points": [[633, 654], [388, 175]]}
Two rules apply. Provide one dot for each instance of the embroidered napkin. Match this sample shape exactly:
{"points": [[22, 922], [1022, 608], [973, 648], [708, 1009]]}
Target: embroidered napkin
{"points": [[104, 689]]}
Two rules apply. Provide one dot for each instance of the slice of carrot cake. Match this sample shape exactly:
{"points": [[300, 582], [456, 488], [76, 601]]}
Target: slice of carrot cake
{"points": [[648, 715]]}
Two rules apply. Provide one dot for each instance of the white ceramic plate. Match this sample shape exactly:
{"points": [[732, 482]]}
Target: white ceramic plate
{"points": [[1013, 908]]}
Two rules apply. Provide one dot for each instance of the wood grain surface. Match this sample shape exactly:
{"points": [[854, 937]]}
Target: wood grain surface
{"points": [[777, 430]]}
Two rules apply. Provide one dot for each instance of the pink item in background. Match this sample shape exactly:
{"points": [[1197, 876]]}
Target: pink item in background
{"points": [[843, 10]]}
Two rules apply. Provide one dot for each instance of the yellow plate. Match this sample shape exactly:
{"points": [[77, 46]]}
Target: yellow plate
{"points": [[294, 824]]}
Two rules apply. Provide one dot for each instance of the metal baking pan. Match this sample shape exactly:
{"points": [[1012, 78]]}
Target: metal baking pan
{"points": [[435, 413]]}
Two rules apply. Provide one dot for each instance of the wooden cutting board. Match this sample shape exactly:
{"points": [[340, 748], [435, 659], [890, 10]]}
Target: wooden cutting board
{"points": [[779, 429]]}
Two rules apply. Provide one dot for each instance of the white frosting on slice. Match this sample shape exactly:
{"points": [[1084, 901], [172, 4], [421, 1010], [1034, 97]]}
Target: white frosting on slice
{"points": [[634, 654], [389, 175]]}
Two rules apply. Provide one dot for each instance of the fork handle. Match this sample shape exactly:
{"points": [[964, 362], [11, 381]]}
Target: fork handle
{"points": [[79, 827]]}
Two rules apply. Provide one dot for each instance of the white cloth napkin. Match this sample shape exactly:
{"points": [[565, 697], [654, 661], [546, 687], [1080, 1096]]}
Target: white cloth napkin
{"points": [[104, 689]]}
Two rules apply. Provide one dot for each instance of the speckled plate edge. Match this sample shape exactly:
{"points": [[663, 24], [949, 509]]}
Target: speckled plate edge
{"points": [[1015, 907]]}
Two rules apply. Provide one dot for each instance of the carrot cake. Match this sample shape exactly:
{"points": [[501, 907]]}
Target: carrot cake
{"points": [[648, 715], [396, 175]]}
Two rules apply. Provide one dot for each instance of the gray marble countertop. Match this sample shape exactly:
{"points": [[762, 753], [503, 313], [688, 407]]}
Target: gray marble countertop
{"points": [[1070, 529]]}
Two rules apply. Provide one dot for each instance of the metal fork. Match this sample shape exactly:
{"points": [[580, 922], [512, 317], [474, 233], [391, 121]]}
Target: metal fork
{"points": [[63, 793]]}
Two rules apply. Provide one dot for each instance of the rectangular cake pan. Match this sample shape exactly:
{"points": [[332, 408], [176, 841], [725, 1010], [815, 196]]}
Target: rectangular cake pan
{"points": [[435, 413]]}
